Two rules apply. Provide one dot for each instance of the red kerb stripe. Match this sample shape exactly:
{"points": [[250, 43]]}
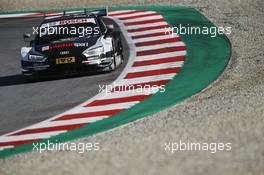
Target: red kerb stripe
{"points": [[153, 72], [126, 13], [152, 35], [158, 61], [144, 22], [162, 50], [161, 41], [117, 100], [89, 114], [148, 28], [139, 16], [19, 142], [47, 129]]}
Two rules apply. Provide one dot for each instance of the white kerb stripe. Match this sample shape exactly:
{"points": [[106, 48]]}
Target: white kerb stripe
{"points": [[161, 55], [67, 122], [119, 11], [99, 108], [153, 38], [15, 15], [147, 32], [160, 46], [120, 94], [146, 25], [142, 19], [133, 14], [156, 66], [5, 147], [149, 79]]}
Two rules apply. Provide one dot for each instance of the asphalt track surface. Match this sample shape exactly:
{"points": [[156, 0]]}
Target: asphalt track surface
{"points": [[23, 104]]}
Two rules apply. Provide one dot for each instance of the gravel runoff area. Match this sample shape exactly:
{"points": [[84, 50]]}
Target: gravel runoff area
{"points": [[230, 110]]}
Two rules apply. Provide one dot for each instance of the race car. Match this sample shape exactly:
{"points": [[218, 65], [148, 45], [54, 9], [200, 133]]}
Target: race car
{"points": [[72, 42]]}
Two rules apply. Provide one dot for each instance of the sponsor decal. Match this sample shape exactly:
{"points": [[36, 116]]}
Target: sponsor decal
{"points": [[81, 44], [63, 45], [70, 21], [65, 60], [64, 52], [77, 21]]}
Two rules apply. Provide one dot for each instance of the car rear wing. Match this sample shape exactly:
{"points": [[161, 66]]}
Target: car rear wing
{"points": [[98, 13], [102, 12]]}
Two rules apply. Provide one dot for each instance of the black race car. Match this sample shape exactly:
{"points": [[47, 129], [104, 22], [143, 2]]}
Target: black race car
{"points": [[71, 42]]}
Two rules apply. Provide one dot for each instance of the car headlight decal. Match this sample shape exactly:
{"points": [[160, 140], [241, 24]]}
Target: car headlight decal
{"points": [[32, 57], [93, 51]]}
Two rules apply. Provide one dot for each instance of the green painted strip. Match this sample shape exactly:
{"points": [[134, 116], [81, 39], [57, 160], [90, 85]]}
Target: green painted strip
{"points": [[206, 60]]}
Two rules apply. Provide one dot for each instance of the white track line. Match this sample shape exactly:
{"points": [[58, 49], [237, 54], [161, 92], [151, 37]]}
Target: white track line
{"points": [[30, 136]]}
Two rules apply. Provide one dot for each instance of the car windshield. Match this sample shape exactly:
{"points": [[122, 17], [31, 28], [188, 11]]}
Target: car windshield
{"points": [[69, 29]]}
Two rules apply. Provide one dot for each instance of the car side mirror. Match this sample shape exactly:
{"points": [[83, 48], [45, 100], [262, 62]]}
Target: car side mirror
{"points": [[109, 32], [27, 37], [111, 26]]}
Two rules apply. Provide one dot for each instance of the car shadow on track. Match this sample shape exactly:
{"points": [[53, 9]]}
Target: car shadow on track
{"points": [[11, 80], [18, 79]]}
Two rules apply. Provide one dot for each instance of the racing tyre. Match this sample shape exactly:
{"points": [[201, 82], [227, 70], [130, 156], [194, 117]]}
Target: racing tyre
{"points": [[117, 55], [30, 78], [113, 66]]}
